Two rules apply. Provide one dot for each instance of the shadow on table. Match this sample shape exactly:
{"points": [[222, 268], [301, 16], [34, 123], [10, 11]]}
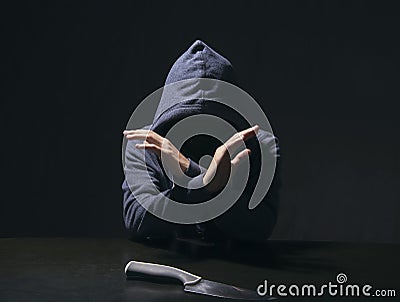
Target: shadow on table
{"points": [[137, 290], [296, 255]]}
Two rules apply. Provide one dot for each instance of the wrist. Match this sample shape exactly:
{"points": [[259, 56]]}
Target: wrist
{"points": [[183, 163]]}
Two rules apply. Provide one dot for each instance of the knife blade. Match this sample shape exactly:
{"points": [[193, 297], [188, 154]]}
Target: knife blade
{"points": [[192, 283]]}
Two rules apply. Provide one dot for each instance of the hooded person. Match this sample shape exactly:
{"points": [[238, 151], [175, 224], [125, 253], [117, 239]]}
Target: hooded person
{"points": [[149, 185]]}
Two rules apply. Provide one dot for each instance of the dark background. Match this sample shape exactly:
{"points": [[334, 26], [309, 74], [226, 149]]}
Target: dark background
{"points": [[325, 72]]}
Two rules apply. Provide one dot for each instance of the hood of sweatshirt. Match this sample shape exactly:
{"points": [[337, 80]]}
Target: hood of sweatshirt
{"points": [[186, 93], [184, 82]]}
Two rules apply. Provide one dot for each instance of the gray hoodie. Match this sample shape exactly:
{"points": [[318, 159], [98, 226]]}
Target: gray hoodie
{"points": [[199, 61]]}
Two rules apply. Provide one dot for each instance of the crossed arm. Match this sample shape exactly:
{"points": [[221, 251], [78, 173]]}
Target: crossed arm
{"points": [[217, 173]]}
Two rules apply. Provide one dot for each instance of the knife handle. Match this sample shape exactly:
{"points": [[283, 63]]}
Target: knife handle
{"points": [[151, 270]]}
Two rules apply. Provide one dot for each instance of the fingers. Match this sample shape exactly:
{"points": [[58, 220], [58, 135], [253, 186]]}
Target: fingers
{"points": [[250, 132], [139, 131], [236, 140], [240, 157], [137, 134], [151, 147], [152, 141], [147, 135]]}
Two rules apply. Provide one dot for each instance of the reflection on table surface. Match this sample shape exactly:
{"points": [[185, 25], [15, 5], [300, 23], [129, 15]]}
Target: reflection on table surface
{"points": [[88, 269]]}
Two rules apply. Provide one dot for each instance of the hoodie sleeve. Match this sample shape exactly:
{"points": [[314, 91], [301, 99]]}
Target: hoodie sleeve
{"points": [[138, 221], [145, 179], [193, 170], [240, 222]]}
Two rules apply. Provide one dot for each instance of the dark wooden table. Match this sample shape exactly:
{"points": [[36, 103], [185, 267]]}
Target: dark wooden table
{"points": [[87, 269]]}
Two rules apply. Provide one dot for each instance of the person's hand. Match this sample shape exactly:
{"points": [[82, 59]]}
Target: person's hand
{"points": [[158, 144], [218, 172]]}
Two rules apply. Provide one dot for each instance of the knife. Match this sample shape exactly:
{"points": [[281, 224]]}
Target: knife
{"points": [[192, 283]]}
